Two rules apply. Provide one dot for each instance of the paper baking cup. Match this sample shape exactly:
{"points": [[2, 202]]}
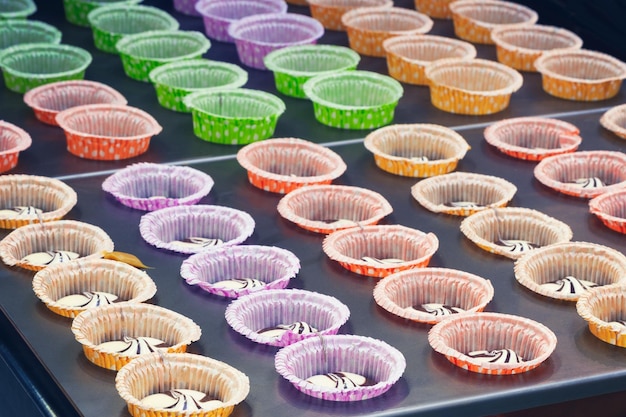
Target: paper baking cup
{"points": [[297, 2], [456, 336], [533, 138], [49, 99], [111, 23], [107, 132], [258, 35], [473, 87], [329, 12], [369, 27], [581, 260], [128, 283], [30, 65], [580, 75], [350, 246], [614, 120], [372, 358], [561, 172], [17, 9], [610, 208], [475, 19], [250, 314], [520, 46], [116, 321], [601, 307], [174, 81], [62, 235], [399, 292], [142, 52], [187, 7], [217, 15], [400, 149], [408, 56], [438, 9], [17, 31], [438, 194], [161, 227], [161, 372], [273, 266], [53, 197], [284, 164], [485, 228], [354, 99], [147, 186], [13, 140], [234, 117], [76, 11], [327, 208], [295, 65]]}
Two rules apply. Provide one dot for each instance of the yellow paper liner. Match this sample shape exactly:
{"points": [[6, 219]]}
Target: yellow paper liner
{"points": [[439, 9], [614, 120], [610, 208], [329, 12]]}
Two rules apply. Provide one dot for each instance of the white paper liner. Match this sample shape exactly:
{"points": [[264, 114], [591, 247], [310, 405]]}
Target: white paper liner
{"points": [[601, 306], [610, 208], [614, 120]]}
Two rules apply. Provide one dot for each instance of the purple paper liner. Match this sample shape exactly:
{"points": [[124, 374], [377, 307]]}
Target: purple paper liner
{"points": [[362, 355], [271, 265], [187, 7]]}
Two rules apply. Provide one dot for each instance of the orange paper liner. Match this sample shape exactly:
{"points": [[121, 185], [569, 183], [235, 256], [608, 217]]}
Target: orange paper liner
{"points": [[602, 305], [13, 140], [614, 120], [610, 208], [439, 9], [329, 12]]}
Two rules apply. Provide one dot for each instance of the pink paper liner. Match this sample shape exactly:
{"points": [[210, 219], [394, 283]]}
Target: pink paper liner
{"points": [[13, 140], [308, 206], [456, 336], [602, 305], [274, 266], [583, 260], [159, 228], [348, 246], [148, 186], [259, 310], [614, 120], [610, 208], [348, 353], [533, 138], [398, 292], [555, 172]]}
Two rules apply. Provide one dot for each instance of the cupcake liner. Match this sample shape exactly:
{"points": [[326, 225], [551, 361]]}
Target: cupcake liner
{"points": [[274, 267], [17, 9], [295, 65], [126, 282], [217, 15], [594, 264], [53, 197], [515, 225], [107, 132], [116, 321], [297, 2], [282, 165], [163, 227], [400, 292], [376, 360], [176, 80], [142, 52], [354, 99], [17, 31], [438, 9], [351, 248], [234, 117], [329, 12], [147, 186], [580, 75], [61, 235], [256, 36], [327, 208], [187, 7], [610, 208], [602, 308], [473, 87], [533, 138], [614, 120], [161, 372], [50, 99], [481, 192], [369, 27], [111, 23], [250, 314], [577, 173], [474, 20], [519, 46], [457, 336], [76, 11], [416, 150], [408, 56], [13, 140], [30, 65]]}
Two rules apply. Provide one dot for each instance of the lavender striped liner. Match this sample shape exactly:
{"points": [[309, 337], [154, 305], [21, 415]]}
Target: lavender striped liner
{"points": [[274, 266]]}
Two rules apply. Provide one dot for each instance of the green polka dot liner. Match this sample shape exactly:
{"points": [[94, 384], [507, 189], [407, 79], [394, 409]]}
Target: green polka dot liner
{"points": [[76, 11], [16, 9]]}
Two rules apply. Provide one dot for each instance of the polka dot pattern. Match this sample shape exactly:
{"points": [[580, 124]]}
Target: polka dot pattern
{"points": [[434, 8]]}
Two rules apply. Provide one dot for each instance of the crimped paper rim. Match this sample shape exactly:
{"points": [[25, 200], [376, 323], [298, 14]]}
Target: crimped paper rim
{"points": [[28, 8], [608, 120], [278, 105], [156, 75], [27, 48], [390, 45], [127, 44], [541, 64], [460, 6], [24, 140], [204, 9], [315, 28], [499, 37], [603, 330], [352, 18], [272, 59], [36, 25], [597, 206], [137, 10]]}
